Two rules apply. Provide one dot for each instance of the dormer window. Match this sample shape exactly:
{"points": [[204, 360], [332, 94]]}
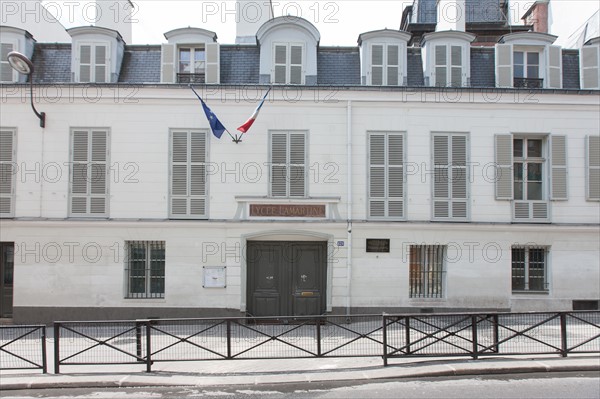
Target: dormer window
{"points": [[96, 55], [527, 60], [192, 64], [288, 51], [447, 58], [383, 57], [191, 56], [13, 39], [93, 63], [288, 67]]}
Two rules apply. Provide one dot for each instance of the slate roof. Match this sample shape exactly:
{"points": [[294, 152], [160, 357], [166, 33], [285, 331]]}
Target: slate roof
{"points": [[141, 64], [477, 11], [338, 66], [240, 64]]}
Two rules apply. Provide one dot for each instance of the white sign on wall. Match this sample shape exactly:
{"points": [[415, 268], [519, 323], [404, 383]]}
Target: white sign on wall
{"points": [[214, 277]]}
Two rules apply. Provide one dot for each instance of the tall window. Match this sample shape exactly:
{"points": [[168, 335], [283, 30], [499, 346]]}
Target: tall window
{"points": [[89, 172], [528, 162], [192, 64], [145, 269], [593, 168], [7, 172], [529, 269], [288, 164], [526, 69], [386, 175], [448, 66], [93, 63], [288, 63], [450, 179], [385, 65], [426, 275], [188, 186]]}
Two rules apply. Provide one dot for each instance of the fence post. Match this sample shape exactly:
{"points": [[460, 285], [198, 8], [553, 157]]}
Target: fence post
{"points": [[563, 335], [56, 348], [407, 334], [474, 333], [318, 336], [385, 358], [44, 360], [148, 347], [496, 333], [228, 339], [138, 339]]}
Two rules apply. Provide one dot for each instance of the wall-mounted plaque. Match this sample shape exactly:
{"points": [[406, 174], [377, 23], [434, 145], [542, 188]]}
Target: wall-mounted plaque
{"points": [[287, 211], [215, 277], [378, 245]]}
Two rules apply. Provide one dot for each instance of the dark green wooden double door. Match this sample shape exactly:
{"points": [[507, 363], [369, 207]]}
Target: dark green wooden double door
{"points": [[286, 278]]}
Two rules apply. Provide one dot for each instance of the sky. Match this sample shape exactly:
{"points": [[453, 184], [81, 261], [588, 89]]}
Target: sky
{"points": [[339, 22]]}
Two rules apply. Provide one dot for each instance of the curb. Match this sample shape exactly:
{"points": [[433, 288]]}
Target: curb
{"points": [[154, 380]]}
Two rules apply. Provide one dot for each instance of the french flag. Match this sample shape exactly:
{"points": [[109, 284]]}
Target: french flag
{"points": [[246, 126]]}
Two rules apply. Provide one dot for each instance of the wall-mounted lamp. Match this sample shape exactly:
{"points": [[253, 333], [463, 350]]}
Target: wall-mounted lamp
{"points": [[22, 64]]}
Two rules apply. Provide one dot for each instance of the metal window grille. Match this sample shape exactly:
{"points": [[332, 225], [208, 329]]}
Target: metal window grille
{"points": [[427, 271], [145, 264], [529, 269]]}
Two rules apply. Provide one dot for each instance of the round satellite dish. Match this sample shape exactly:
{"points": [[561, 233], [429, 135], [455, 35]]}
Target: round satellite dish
{"points": [[20, 63]]}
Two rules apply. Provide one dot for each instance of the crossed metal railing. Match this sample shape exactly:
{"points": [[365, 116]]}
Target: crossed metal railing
{"points": [[145, 342], [23, 347]]}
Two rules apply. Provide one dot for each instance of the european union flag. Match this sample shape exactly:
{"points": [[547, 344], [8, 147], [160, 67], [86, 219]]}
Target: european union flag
{"points": [[215, 124]]}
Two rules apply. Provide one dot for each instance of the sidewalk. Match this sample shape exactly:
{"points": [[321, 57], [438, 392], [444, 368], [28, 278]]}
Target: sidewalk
{"points": [[255, 372]]}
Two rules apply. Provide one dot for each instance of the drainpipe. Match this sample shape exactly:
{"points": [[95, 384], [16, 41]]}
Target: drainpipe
{"points": [[349, 210]]}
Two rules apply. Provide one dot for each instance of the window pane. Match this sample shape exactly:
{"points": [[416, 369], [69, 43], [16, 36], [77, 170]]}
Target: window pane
{"points": [[518, 71], [534, 191], [518, 148], [518, 58], [534, 148], [377, 55], [426, 271], [199, 54], [533, 72], [534, 172], [537, 274], [440, 76], [518, 181], [533, 58]]}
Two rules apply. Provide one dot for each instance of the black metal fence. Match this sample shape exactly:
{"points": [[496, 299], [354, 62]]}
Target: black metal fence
{"points": [[145, 342], [23, 347], [495, 334]]}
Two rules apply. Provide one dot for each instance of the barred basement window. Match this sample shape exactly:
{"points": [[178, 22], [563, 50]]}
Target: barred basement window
{"points": [[145, 269], [529, 269], [427, 271]]}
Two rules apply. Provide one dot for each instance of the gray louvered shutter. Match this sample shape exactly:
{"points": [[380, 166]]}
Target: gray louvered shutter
{"points": [[590, 67], [504, 65], [280, 72], [441, 66], [377, 175], [212, 63], [377, 65], [188, 175], [297, 169], [100, 63], [7, 172], [554, 62], [456, 67], [393, 65], [441, 174], [89, 171], [85, 63], [593, 168], [504, 166], [558, 162], [279, 162], [167, 63], [459, 177], [295, 65], [7, 73], [395, 176]]}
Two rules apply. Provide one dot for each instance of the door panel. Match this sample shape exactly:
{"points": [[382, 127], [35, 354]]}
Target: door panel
{"points": [[6, 278], [286, 278]]}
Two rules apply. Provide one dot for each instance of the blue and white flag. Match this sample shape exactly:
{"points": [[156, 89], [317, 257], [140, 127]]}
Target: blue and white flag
{"points": [[215, 124]]}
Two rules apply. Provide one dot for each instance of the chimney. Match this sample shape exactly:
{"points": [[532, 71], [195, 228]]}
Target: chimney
{"points": [[250, 15], [537, 15], [451, 15]]}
